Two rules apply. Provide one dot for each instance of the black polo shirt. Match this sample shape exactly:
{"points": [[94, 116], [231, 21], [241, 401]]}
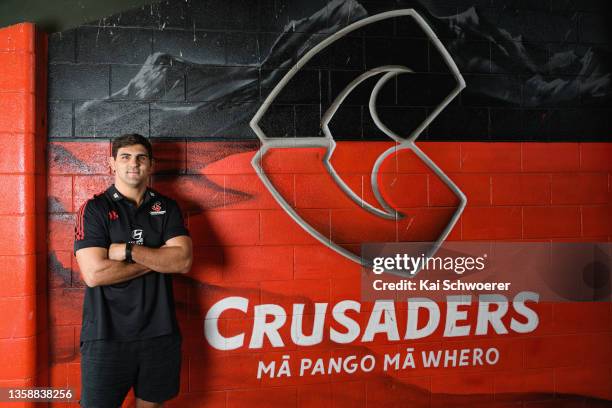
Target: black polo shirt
{"points": [[142, 307]]}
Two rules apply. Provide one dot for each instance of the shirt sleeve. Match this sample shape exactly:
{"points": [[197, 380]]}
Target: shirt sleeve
{"points": [[90, 229], [175, 225]]}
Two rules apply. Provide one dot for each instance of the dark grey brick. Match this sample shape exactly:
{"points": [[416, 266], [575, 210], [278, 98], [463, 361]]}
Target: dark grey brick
{"points": [[550, 91], [408, 27], [492, 90], [113, 45], [533, 25], [273, 52], [284, 50], [276, 15], [308, 120], [580, 124], [518, 57], [348, 53], [323, 58], [424, 89], [279, 121], [462, 4], [540, 5], [536, 124], [237, 84], [594, 92], [224, 14], [459, 122], [208, 120], [161, 15], [594, 28], [306, 86], [346, 124], [200, 47], [415, 89], [565, 59], [60, 119], [164, 82], [78, 81], [385, 27], [109, 119], [62, 46], [342, 13], [571, 6], [242, 49], [411, 53], [469, 56], [507, 124]]}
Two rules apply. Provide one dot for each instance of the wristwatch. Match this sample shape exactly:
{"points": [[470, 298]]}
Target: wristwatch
{"points": [[128, 252]]}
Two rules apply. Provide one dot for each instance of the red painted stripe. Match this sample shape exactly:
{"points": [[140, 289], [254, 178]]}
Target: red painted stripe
{"points": [[80, 226], [80, 232]]}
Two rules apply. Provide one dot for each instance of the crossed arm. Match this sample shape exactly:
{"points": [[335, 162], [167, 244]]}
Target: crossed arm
{"points": [[102, 266]]}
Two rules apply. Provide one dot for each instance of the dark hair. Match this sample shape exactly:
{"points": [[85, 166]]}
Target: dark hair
{"points": [[132, 139]]}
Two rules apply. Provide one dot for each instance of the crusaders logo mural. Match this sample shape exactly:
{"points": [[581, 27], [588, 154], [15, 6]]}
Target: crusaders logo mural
{"points": [[327, 143]]}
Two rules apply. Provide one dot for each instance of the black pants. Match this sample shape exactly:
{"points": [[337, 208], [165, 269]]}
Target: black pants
{"points": [[110, 368]]}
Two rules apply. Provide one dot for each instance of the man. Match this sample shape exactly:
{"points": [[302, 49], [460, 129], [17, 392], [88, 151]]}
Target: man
{"points": [[128, 240]]}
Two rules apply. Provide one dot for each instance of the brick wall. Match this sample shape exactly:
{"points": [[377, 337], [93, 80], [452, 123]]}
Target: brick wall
{"points": [[245, 245], [23, 268], [535, 71]]}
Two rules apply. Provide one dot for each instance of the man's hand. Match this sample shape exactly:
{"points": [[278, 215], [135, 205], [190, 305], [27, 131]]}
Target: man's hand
{"points": [[116, 252]]}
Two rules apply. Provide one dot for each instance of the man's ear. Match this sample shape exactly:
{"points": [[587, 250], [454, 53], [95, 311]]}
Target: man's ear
{"points": [[111, 163]]}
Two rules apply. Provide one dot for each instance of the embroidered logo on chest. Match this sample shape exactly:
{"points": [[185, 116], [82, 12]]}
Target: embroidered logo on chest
{"points": [[156, 209], [112, 215]]}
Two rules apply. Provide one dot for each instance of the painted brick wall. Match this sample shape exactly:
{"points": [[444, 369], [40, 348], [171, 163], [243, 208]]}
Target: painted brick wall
{"points": [[535, 70], [23, 215], [245, 245]]}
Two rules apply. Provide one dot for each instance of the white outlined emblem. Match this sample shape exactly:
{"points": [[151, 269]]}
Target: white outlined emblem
{"points": [[387, 72]]}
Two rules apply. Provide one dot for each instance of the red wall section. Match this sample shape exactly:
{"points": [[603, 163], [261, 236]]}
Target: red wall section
{"points": [[247, 246], [23, 208]]}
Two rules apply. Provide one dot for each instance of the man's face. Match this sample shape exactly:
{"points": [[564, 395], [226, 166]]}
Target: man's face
{"points": [[133, 166]]}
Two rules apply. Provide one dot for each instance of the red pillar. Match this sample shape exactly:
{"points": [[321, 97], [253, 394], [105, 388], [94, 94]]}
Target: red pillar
{"points": [[23, 254]]}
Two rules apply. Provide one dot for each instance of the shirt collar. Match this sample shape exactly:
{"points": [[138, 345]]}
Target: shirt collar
{"points": [[149, 195], [115, 195]]}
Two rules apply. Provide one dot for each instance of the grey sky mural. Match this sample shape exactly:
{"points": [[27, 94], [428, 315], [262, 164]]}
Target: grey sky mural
{"points": [[200, 69]]}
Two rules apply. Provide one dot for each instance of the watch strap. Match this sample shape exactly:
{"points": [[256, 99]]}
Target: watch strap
{"points": [[128, 252]]}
